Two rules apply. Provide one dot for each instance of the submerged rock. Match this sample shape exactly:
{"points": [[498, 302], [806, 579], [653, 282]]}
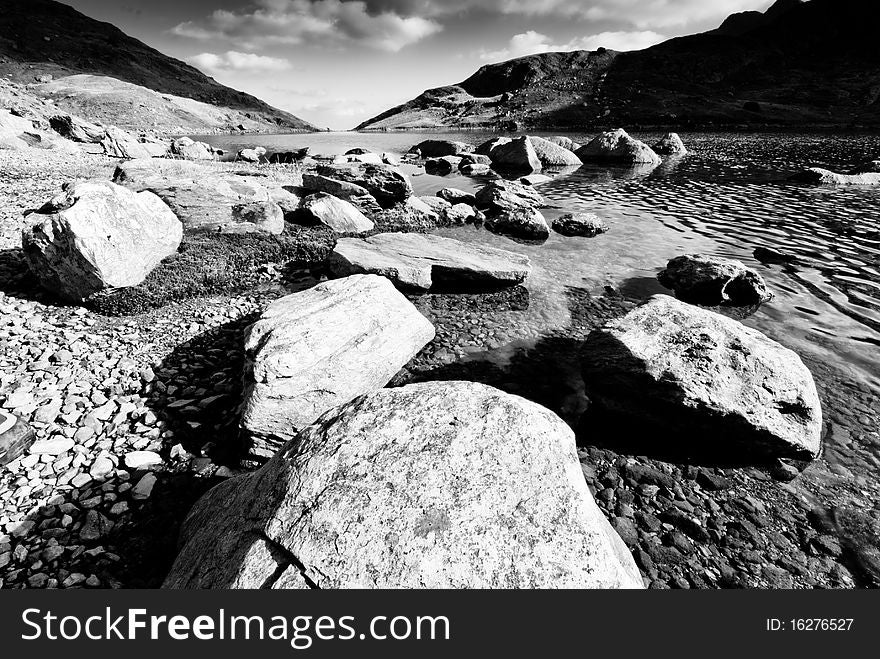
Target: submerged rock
{"points": [[714, 281], [420, 261], [96, 236], [819, 176], [670, 145], [553, 155], [618, 146], [320, 348], [518, 155], [523, 223], [704, 380], [435, 485], [338, 214], [580, 224], [440, 148]]}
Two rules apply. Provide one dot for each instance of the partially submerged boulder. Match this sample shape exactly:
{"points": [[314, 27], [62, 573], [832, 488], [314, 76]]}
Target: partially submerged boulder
{"points": [[507, 195], [475, 169], [564, 142], [617, 146], [523, 223], [338, 214], [553, 155], [441, 166], [420, 261], [317, 349], [97, 236], [670, 145], [696, 377], [714, 281], [819, 176], [580, 224], [456, 196], [434, 485], [486, 148], [440, 148], [518, 155], [387, 184]]}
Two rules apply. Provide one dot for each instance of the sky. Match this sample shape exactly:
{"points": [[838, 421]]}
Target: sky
{"points": [[337, 63]]}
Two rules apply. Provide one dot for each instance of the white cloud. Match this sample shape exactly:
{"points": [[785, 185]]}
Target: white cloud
{"points": [[532, 43], [311, 21], [233, 60]]}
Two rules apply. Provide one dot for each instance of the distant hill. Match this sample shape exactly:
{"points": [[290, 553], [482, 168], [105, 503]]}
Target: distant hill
{"points": [[804, 64], [43, 37]]}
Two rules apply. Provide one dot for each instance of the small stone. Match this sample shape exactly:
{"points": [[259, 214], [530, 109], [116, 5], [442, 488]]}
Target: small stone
{"points": [[142, 460], [53, 446], [95, 527], [144, 487]]}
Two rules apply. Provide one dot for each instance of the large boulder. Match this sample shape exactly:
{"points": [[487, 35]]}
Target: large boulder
{"points": [[18, 133], [714, 281], [564, 142], [819, 176], [96, 236], [523, 223], [434, 485], [518, 155], [419, 262], [456, 196], [670, 145], [189, 149], [387, 184], [254, 154], [487, 147], [317, 349], [441, 166], [76, 129], [118, 143], [553, 155], [617, 146], [440, 148], [340, 189], [586, 225], [338, 214], [507, 195], [706, 381]]}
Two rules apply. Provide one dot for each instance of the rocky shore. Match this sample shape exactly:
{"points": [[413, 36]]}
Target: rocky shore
{"points": [[137, 406]]}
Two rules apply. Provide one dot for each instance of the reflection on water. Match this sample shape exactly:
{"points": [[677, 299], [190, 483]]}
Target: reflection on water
{"points": [[728, 197]]}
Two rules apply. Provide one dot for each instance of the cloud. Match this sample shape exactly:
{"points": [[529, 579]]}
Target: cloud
{"points": [[531, 43], [311, 21], [233, 60]]}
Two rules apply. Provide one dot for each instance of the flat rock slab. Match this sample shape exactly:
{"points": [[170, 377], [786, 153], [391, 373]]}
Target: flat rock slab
{"points": [[434, 485], [819, 176], [706, 381], [317, 349], [421, 261]]}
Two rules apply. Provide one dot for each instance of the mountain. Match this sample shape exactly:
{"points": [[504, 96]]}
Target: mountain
{"points": [[802, 63], [40, 39]]}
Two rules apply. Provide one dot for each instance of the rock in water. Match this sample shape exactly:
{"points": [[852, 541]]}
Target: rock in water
{"points": [[714, 281], [387, 184], [441, 166], [523, 223], [98, 235], [718, 387], [819, 176], [553, 155], [419, 261], [434, 485], [618, 146], [338, 214], [317, 349], [440, 148], [518, 154], [456, 196], [507, 195], [564, 142], [580, 224], [670, 145]]}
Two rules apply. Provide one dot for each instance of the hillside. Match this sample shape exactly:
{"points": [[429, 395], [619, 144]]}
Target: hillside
{"points": [[40, 38], [799, 64]]}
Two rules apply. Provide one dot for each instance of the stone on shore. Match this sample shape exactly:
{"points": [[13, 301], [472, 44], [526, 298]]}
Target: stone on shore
{"points": [[189, 149], [340, 189], [317, 349], [819, 176], [118, 143], [388, 185], [419, 261], [16, 437], [456, 196], [475, 169], [18, 133], [435, 485], [580, 224], [96, 236], [507, 195], [670, 145], [714, 281], [705, 381], [440, 148], [474, 159], [367, 157], [618, 146], [553, 155], [338, 214], [76, 129], [518, 155], [523, 223], [252, 155], [142, 460]]}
